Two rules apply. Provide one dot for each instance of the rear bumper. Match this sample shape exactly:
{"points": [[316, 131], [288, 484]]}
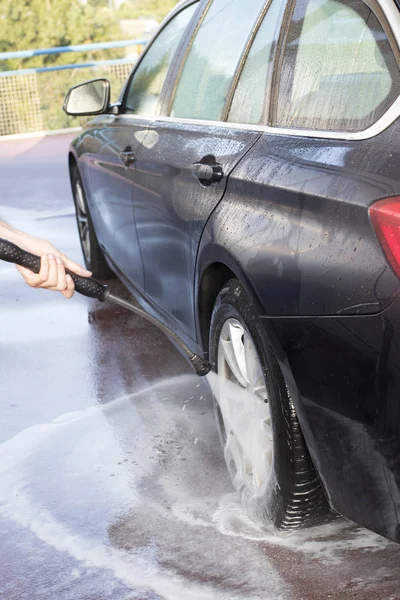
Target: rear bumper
{"points": [[344, 375]]}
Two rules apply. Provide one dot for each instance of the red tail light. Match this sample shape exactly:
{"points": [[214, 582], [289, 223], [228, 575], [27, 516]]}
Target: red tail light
{"points": [[385, 217]]}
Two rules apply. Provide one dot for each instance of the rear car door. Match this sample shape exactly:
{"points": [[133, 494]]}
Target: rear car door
{"points": [[305, 241], [186, 157], [115, 140], [313, 172]]}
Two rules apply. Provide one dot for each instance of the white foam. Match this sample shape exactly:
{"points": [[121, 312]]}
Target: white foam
{"points": [[326, 542], [84, 470], [230, 518], [129, 474]]}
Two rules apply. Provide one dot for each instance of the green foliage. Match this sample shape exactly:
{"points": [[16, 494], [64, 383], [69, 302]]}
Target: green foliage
{"points": [[53, 87], [158, 9], [29, 24]]}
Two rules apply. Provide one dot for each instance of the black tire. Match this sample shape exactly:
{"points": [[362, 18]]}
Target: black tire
{"points": [[293, 495], [94, 258]]}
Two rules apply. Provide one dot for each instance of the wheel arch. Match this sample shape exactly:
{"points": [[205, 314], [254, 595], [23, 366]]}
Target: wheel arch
{"points": [[71, 159], [215, 267], [72, 164]]}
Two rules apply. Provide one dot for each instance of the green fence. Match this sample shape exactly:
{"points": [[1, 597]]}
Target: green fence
{"points": [[31, 100]]}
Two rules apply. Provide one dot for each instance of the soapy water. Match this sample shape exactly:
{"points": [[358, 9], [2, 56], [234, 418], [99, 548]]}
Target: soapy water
{"points": [[122, 487], [231, 519], [138, 489], [324, 542]]}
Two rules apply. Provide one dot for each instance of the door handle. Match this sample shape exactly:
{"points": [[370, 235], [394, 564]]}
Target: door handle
{"points": [[207, 174], [127, 157]]}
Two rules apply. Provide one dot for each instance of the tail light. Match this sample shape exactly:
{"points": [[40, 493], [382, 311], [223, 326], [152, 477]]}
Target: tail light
{"points": [[385, 217]]}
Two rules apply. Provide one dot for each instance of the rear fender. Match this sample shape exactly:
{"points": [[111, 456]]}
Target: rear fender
{"points": [[213, 254]]}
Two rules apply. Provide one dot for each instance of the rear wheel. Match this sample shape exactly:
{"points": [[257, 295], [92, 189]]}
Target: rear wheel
{"points": [[92, 253], [264, 448]]}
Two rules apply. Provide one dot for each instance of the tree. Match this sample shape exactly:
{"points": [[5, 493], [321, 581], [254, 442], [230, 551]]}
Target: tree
{"points": [[132, 9], [30, 24]]}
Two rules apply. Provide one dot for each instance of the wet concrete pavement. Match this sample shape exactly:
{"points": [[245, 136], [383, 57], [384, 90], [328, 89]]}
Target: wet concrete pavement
{"points": [[112, 481]]}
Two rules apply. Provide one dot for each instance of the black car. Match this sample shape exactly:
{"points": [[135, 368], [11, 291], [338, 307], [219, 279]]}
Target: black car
{"points": [[246, 188]]}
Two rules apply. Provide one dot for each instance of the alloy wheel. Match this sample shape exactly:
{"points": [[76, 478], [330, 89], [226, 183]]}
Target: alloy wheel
{"points": [[243, 402]]}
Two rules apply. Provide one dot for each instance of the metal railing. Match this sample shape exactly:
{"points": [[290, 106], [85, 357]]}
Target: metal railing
{"points": [[31, 99]]}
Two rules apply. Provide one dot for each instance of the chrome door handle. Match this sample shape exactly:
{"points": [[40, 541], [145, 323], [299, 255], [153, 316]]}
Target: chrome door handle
{"points": [[207, 174], [128, 158]]}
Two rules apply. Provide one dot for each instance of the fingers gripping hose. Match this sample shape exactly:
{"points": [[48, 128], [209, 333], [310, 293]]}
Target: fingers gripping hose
{"points": [[87, 286]]}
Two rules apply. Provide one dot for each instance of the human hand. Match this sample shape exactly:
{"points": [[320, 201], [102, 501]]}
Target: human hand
{"points": [[52, 275]]}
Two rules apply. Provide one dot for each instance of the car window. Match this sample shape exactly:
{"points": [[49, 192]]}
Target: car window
{"points": [[207, 74], [250, 95], [339, 71], [145, 87]]}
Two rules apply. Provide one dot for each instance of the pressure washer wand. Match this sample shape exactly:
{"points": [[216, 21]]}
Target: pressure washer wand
{"points": [[87, 286]]}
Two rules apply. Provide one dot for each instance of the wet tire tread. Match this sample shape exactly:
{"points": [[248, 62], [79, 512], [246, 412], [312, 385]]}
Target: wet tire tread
{"points": [[98, 263], [301, 500]]}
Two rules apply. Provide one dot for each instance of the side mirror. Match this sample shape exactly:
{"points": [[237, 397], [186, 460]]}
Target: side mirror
{"points": [[89, 98]]}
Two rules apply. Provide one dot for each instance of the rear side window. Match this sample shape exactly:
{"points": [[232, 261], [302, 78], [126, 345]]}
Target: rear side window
{"points": [[211, 63], [145, 87], [250, 100], [339, 71]]}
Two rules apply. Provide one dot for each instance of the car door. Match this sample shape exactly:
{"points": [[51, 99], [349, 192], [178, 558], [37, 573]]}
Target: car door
{"points": [[115, 142], [299, 205], [312, 175], [186, 158]]}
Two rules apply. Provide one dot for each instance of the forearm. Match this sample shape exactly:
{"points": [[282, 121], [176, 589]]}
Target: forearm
{"points": [[6, 230], [52, 274], [9, 233], [27, 242]]}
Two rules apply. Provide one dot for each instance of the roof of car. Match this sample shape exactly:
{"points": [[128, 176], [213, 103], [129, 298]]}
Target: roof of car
{"points": [[184, 3], [177, 6]]}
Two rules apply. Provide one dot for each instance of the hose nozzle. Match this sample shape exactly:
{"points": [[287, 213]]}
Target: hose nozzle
{"points": [[200, 365]]}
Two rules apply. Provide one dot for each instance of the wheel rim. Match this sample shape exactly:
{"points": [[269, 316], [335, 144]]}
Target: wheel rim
{"points": [[245, 410], [83, 223]]}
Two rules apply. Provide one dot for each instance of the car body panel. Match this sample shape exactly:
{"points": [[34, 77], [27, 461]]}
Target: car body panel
{"points": [[303, 235], [343, 374], [109, 188], [172, 206]]}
